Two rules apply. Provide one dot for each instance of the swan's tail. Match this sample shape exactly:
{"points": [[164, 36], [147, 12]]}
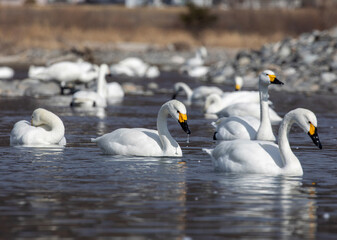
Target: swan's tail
{"points": [[207, 150]]}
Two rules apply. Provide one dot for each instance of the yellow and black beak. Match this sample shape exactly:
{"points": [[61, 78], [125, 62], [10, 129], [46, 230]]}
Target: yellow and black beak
{"points": [[314, 136], [183, 123], [274, 80], [237, 87]]}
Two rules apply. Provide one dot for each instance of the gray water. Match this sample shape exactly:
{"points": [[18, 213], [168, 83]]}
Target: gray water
{"points": [[78, 193]]}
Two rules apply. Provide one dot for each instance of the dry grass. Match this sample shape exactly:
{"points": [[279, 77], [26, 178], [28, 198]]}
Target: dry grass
{"points": [[67, 26]]}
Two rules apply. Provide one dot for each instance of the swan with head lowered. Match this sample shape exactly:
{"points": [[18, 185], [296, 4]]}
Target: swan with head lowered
{"points": [[45, 128], [147, 142], [197, 95], [265, 157], [248, 127]]}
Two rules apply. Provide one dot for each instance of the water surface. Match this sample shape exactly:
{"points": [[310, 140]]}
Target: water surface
{"points": [[77, 192]]}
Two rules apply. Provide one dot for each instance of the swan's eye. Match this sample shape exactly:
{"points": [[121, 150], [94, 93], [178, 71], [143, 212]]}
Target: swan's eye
{"points": [[267, 74]]}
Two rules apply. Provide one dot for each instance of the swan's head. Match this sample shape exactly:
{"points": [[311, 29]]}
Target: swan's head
{"points": [[177, 89], [178, 111], [238, 83], [307, 120], [214, 100], [268, 77], [104, 69], [42, 117]]}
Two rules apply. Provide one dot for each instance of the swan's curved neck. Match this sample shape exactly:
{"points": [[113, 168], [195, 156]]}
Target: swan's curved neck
{"points": [[290, 161], [265, 131], [168, 142], [101, 84], [187, 90], [56, 128]]}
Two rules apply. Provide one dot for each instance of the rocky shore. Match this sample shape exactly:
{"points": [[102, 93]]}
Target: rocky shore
{"points": [[306, 64]]}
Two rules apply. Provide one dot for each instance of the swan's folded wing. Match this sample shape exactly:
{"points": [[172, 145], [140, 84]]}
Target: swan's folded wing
{"points": [[25, 134], [130, 141]]}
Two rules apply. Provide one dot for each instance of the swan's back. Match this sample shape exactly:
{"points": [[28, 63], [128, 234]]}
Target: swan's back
{"points": [[125, 141], [245, 156], [236, 128], [23, 133]]}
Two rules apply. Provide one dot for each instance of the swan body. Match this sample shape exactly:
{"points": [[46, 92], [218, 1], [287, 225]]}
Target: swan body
{"points": [[45, 129], [236, 127], [198, 94], [243, 128], [198, 59], [6, 72], [248, 109], [134, 67], [147, 142], [265, 157], [114, 90]]}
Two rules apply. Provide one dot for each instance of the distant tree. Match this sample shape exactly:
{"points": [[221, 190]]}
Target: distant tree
{"points": [[30, 2], [197, 19]]}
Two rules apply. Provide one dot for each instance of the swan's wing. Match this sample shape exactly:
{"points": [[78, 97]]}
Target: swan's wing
{"points": [[25, 134], [247, 156], [237, 128], [203, 91], [90, 98], [114, 90], [131, 141]]}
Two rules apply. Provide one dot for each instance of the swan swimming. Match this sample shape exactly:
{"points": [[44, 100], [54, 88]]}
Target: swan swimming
{"points": [[265, 157], [99, 97], [198, 94], [147, 142], [248, 127], [45, 128]]}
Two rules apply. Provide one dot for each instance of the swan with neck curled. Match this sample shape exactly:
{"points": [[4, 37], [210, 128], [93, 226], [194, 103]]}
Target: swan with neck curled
{"points": [[45, 128], [147, 142], [197, 95], [265, 157], [248, 127]]}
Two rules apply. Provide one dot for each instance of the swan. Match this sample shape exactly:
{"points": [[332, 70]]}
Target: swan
{"points": [[93, 98], [217, 106], [66, 72], [134, 67], [264, 157], [45, 128], [196, 95], [246, 127], [147, 142], [198, 59], [6, 72]]}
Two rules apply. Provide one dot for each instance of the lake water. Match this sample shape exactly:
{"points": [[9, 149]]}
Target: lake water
{"points": [[77, 192]]}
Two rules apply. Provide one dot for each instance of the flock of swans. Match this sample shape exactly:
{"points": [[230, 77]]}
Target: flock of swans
{"points": [[243, 130]]}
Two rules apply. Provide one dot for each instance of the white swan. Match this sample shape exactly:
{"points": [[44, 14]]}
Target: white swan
{"points": [[134, 67], [6, 72], [198, 94], [45, 129], [244, 106], [66, 72], [264, 157], [147, 142], [198, 59], [231, 128], [93, 98], [245, 127]]}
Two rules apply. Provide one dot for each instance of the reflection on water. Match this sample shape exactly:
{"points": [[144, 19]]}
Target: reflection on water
{"points": [[280, 203]]}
